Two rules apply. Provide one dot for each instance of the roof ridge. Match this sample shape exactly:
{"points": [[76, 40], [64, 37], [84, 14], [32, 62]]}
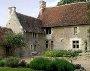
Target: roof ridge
{"points": [[26, 15]]}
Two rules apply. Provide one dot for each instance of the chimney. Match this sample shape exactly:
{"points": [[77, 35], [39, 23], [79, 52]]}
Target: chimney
{"points": [[42, 4], [12, 10]]}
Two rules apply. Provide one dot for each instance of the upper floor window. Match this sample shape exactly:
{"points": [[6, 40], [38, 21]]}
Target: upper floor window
{"points": [[75, 30], [75, 44], [48, 30], [34, 35]]}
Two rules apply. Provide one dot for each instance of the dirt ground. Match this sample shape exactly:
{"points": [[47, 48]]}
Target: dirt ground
{"points": [[84, 60]]}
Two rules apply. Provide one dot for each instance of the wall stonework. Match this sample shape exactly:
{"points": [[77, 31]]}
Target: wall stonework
{"points": [[63, 37]]}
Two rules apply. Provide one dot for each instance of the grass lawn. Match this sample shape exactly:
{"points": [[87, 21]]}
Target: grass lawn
{"points": [[15, 69]]}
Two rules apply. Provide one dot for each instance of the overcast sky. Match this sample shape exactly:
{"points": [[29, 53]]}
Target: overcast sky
{"points": [[28, 7]]}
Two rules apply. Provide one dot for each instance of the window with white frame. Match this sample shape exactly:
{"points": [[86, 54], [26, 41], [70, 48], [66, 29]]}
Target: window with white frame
{"points": [[75, 44]]}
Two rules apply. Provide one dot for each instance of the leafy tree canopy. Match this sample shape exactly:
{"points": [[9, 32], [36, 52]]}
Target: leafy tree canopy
{"points": [[13, 40], [61, 2]]}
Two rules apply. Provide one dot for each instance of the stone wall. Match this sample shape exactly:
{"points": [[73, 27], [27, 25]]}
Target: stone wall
{"points": [[63, 37]]}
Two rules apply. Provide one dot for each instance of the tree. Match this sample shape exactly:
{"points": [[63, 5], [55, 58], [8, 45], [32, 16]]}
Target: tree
{"points": [[62, 2], [11, 42]]}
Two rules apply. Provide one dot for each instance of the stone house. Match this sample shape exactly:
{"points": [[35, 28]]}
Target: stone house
{"points": [[61, 27]]}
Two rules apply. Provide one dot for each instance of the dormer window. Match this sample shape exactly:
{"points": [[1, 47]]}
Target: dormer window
{"points": [[48, 30]]}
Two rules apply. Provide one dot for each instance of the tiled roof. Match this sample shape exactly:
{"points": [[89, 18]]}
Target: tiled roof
{"points": [[29, 24], [66, 15]]}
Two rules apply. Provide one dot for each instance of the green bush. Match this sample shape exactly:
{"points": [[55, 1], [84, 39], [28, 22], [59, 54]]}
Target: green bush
{"points": [[22, 63], [47, 64], [12, 62], [61, 65], [2, 63], [40, 63], [61, 53]]}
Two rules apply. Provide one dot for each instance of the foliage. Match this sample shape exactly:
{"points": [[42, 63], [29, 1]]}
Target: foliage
{"points": [[77, 66], [61, 53], [14, 40], [47, 64], [2, 63], [61, 65], [40, 63], [12, 62], [22, 63], [61, 2], [15, 69]]}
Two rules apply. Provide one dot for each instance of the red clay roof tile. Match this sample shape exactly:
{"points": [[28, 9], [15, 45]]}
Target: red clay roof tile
{"points": [[65, 15]]}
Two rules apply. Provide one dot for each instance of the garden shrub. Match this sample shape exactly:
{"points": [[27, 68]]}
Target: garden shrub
{"points": [[77, 66], [12, 62], [47, 64], [2, 63], [60, 53], [40, 63], [22, 63], [61, 65]]}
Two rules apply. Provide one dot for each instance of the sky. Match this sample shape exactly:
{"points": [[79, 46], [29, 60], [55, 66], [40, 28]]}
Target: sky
{"points": [[27, 7]]}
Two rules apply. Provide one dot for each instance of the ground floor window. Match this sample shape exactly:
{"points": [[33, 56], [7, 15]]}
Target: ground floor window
{"points": [[75, 44], [51, 44], [46, 44], [34, 47]]}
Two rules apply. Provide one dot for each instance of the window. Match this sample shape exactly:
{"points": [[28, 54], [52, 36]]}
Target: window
{"points": [[75, 30], [51, 44], [34, 47], [75, 44], [34, 35], [48, 30], [46, 44]]}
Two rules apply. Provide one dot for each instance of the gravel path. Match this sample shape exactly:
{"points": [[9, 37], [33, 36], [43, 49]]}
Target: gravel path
{"points": [[84, 60]]}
